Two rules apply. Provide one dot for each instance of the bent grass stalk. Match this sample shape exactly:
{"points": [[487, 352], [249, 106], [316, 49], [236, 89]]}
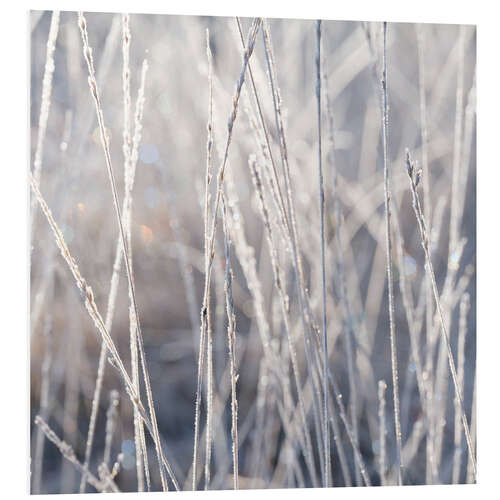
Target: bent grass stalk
{"points": [[68, 453], [285, 411], [89, 302], [454, 231], [414, 178]]}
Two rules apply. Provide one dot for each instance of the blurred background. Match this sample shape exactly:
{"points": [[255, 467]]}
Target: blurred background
{"points": [[168, 238]]}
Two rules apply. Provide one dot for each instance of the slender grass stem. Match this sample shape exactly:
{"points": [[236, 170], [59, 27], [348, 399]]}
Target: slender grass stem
{"points": [[281, 203], [349, 320], [326, 429], [297, 264], [252, 34], [431, 469], [387, 204], [231, 336], [89, 302], [46, 98], [68, 453], [115, 277], [382, 460], [414, 178], [105, 144], [208, 178], [462, 331]]}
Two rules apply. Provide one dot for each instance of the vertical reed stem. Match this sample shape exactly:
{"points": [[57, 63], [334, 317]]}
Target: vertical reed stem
{"points": [[326, 429], [387, 201]]}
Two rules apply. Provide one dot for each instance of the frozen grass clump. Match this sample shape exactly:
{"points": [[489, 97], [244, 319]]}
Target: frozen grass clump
{"points": [[233, 194]]}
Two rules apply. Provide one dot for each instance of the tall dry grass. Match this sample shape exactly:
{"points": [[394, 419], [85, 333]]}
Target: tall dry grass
{"points": [[311, 293]]}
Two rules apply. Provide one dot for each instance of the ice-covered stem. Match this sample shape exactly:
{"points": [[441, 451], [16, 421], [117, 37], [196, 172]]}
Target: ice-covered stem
{"points": [[326, 429], [87, 51], [254, 29], [68, 453], [382, 386], [462, 332], [390, 285], [207, 317], [231, 337], [414, 176], [46, 97]]}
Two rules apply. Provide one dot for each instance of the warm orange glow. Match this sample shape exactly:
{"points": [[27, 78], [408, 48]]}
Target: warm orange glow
{"points": [[146, 234], [81, 208]]}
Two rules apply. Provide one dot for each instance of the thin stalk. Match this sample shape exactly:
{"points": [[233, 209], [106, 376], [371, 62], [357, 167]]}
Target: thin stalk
{"points": [[44, 395], [231, 336], [326, 429], [106, 478], [387, 198], [340, 447], [454, 232], [105, 143], [115, 278], [297, 263], [423, 384], [468, 137], [220, 178], [278, 282], [46, 100], [343, 415], [71, 402], [414, 178], [431, 468], [382, 386], [111, 421], [470, 474], [68, 453], [208, 177], [281, 203], [127, 154], [87, 295], [349, 319], [340, 269], [457, 144], [462, 332]]}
